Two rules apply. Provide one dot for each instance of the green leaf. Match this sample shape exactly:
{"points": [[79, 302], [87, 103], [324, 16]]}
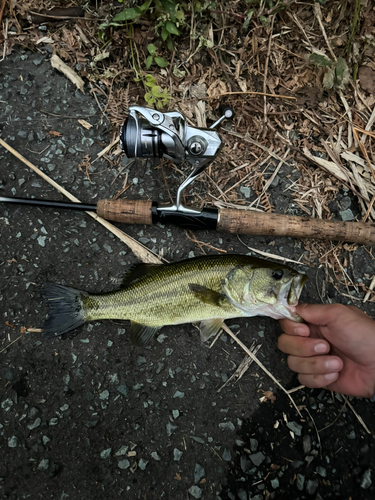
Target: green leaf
{"points": [[320, 60], [157, 91], [164, 33], [148, 96], [170, 8], [341, 72], [149, 61], [170, 43], [151, 49], [145, 6], [150, 81], [127, 15], [161, 62], [171, 28]]}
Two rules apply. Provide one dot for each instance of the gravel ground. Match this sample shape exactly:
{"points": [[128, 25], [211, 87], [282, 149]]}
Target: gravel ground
{"points": [[91, 416]]}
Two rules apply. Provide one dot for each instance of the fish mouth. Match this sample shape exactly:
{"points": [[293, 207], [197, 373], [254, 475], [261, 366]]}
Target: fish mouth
{"points": [[290, 293], [295, 289]]}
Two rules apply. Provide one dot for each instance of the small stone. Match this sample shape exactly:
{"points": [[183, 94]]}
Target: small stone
{"points": [[122, 451], [346, 215], [35, 424], [366, 481], [178, 394], [104, 395], [246, 191], [106, 453], [227, 426], [306, 444], [177, 454], [43, 464], [321, 471], [294, 427], [45, 440], [312, 486], [155, 456], [245, 464], [142, 464], [141, 360], [276, 181], [300, 481], [195, 491], [199, 473], [242, 495], [226, 455], [275, 483], [42, 241], [175, 414], [351, 435], [13, 442], [123, 464], [123, 389], [253, 444], [257, 458], [107, 247]]}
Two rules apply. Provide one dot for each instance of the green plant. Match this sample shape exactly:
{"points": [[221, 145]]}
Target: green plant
{"points": [[155, 96], [167, 13], [160, 61]]}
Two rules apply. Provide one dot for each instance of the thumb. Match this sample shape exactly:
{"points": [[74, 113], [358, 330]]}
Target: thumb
{"points": [[321, 314]]}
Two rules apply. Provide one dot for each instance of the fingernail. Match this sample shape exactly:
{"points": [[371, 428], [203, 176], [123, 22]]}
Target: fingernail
{"points": [[320, 348], [299, 330], [330, 377], [333, 364]]}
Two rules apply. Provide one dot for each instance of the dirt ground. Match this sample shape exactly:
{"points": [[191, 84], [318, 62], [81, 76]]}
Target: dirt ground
{"points": [[91, 416]]}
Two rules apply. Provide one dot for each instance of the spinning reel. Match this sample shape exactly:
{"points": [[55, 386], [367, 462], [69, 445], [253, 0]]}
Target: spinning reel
{"points": [[148, 133]]}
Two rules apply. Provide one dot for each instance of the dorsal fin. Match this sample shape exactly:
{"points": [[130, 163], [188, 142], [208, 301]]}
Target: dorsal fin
{"points": [[142, 334], [136, 272]]}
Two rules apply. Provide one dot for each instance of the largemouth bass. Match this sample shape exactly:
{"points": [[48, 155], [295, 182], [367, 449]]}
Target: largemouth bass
{"points": [[206, 289]]}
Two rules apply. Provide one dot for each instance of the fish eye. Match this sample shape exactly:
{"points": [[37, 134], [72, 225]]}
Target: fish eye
{"points": [[277, 274]]}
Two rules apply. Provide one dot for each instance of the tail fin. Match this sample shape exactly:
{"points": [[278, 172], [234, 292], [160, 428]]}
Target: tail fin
{"points": [[65, 309]]}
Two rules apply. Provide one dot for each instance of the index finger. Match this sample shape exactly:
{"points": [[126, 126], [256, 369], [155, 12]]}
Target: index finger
{"points": [[292, 328]]}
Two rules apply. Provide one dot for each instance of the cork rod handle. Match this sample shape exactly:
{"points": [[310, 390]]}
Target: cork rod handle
{"points": [[127, 211], [259, 223]]}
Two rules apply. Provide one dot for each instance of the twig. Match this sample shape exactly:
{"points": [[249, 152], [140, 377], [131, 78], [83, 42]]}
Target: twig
{"points": [[290, 98], [6, 347], [317, 432], [370, 289], [256, 360], [265, 76], [318, 14], [360, 420], [139, 250], [242, 367], [272, 255]]}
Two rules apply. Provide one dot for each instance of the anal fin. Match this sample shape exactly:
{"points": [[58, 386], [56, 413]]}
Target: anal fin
{"points": [[142, 334], [209, 327]]}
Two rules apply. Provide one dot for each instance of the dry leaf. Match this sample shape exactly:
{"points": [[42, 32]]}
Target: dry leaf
{"points": [[58, 64], [55, 134], [268, 396], [23, 329], [9, 324]]}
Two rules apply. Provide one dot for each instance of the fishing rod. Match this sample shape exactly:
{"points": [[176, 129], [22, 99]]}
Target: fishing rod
{"points": [[149, 133]]}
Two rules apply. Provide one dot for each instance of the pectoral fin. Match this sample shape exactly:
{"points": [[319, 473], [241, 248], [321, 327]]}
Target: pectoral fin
{"points": [[209, 327], [141, 334], [207, 295]]}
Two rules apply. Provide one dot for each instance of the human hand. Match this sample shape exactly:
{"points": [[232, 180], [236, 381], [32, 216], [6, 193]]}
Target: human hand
{"points": [[334, 349]]}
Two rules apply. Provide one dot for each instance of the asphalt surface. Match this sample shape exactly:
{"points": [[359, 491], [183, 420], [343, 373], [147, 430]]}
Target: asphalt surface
{"points": [[89, 415]]}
